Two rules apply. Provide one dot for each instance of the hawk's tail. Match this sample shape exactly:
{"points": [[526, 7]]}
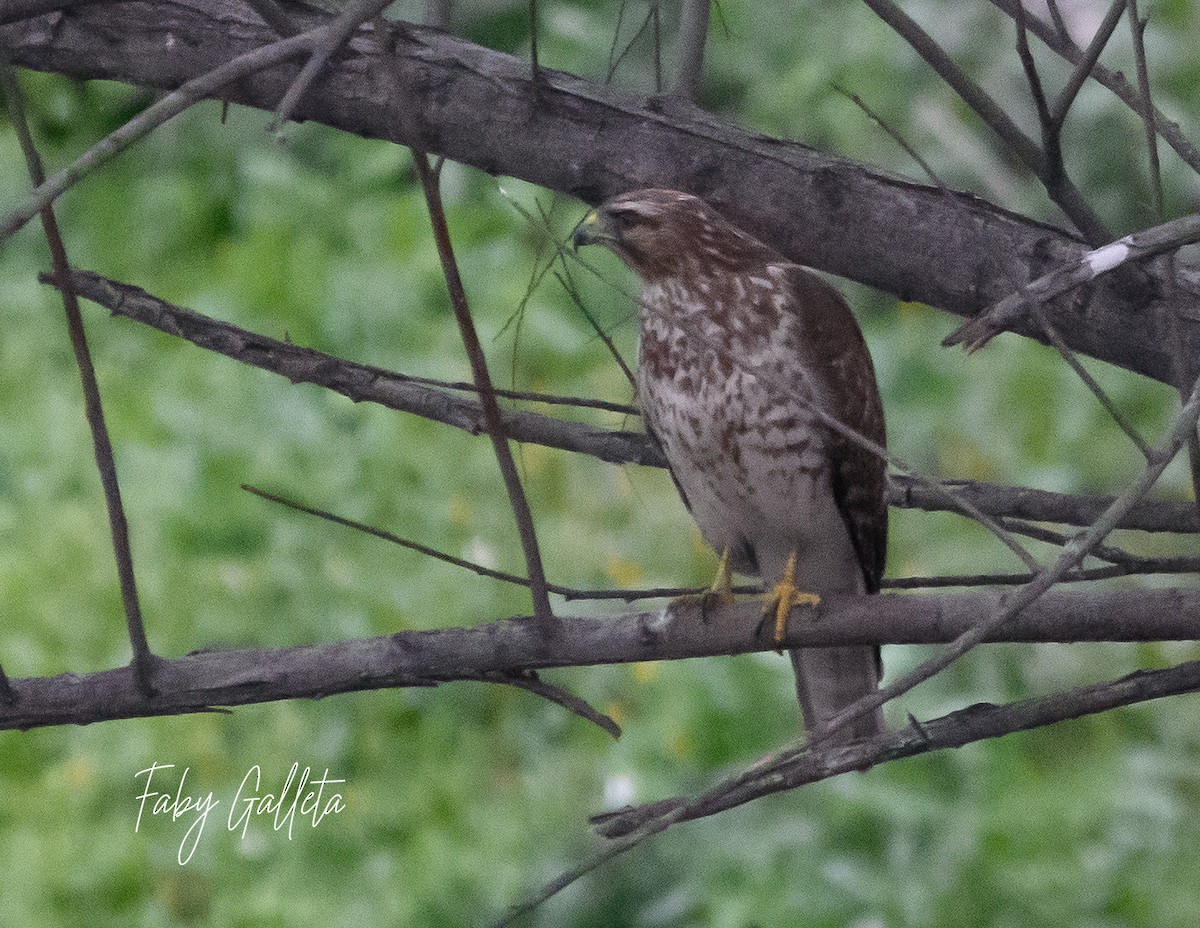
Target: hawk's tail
{"points": [[829, 679]]}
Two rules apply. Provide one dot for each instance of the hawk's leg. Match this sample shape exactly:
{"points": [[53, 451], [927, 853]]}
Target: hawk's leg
{"points": [[720, 593], [784, 596]]}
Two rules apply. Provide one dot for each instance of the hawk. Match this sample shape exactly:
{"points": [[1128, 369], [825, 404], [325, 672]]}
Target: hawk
{"points": [[737, 346]]}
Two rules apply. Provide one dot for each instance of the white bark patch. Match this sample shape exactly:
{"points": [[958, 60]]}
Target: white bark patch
{"points": [[1108, 257]]}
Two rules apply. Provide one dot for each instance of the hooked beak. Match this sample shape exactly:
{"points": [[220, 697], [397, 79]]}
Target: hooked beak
{"points": [[593, 230]]}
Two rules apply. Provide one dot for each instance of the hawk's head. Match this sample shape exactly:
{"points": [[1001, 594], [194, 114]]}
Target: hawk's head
{"points": [[662, 233]]}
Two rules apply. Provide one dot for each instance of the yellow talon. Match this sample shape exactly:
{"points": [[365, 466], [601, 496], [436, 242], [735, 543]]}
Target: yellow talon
{"points": [[784, 596]]}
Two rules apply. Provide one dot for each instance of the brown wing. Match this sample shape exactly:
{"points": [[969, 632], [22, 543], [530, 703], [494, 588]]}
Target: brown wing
{"points": [[836, 354]]}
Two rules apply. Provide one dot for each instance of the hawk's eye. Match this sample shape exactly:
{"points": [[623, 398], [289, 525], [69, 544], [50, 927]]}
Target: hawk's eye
{"points": [[631, 218]]}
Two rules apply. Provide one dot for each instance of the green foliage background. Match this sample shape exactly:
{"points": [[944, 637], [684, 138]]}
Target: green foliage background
{"points": [[460, 799]]}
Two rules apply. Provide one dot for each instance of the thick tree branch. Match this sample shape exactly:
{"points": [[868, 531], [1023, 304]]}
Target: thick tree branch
{"points": [[480, 107], [425, 658], [364, 383]]}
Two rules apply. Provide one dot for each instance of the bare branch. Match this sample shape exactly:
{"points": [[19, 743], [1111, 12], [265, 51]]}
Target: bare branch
{"points": [[143, 660], [629, 827], [693, 35], [247, 676], [1123, 563], [1060, 43], [491, 410], [892, 133], [1137, 26], [361, 382], [1083, 68], [948, 250], [151, 118], [788, 770], [529, 681], [333, 37], [1092, 264], [1089, 381], [1058, 186]]}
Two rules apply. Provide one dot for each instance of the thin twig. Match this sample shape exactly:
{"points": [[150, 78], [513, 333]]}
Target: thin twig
{"points": [[1060, 189], [529, 681], [1115, 81], [614, 61], [1137, 27], [487, 396], [492, 416], [892, 133], [102, 445], [1086, 63], [1064, 350], [479, 569], [568, 285], [1051, 137], [333, 36], [151, 118], [1056, 17], [1125, 564], [1184, 362]]}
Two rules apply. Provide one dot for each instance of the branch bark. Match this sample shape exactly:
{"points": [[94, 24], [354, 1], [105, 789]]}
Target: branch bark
{"points": [[949, 250], [206, 679], [361, 382]]}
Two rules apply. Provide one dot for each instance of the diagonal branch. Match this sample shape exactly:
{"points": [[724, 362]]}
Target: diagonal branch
{"points": [[947, 249], [1057, 185], [627, 828], [150, 119], [333, 37], [1138, 246], [487, 396], [1086, 63], [1060, 43], [93, 408]]}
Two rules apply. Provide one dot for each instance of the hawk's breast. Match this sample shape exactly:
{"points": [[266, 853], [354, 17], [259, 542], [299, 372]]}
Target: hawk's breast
{"points": [[723, 387]]}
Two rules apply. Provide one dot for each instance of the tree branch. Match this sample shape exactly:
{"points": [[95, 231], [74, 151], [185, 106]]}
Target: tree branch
{"points": [[949, 250], [424, 658], [143, 660], [627, 828], [1138, 246], [361, 382]]}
